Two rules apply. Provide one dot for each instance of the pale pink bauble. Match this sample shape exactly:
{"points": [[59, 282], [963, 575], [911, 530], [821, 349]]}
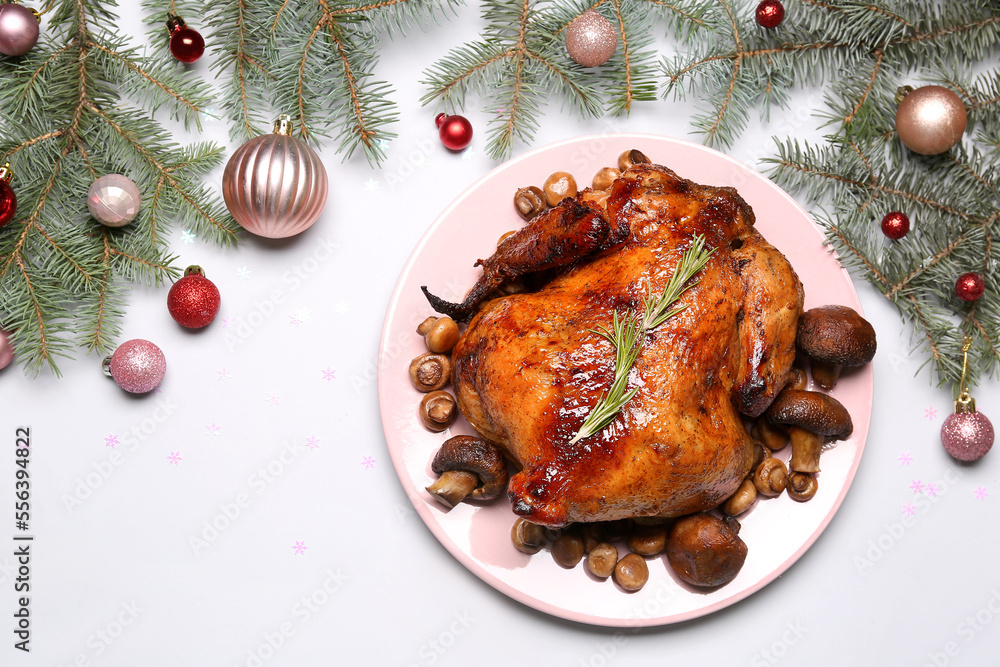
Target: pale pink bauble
{"points": [[114, 200], [275, 186], [591, 39], [137, 366], [6, 349]]}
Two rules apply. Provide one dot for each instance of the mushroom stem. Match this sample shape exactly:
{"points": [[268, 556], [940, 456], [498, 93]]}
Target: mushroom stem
{"points": [[453, 486], [806, 448], [825, 374]]}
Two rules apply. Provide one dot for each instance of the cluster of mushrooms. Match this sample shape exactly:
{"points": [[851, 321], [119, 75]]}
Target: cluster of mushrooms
{"points": [[703, 549], [831, 337]]}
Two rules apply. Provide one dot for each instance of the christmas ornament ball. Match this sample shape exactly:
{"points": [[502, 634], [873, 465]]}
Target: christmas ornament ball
{"points": [[970, 286], [137, 366], [931, 120], [895, 225], [114, 200], [193, 301], [455, 131], [770, 14], [591, 39], [275, 185], [18, 29], [967, 436], [8, 198], [186, 44], [6, 349]]}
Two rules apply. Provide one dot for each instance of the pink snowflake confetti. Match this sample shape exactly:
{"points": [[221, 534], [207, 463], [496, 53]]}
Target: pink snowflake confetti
{"points": [[368, 463], [174, 458], [917, 486], [299, 547], [329, 374], [932, 489], [909, 509], [980, 493], [272, 398], [905, 459], [930, 413], [212, 430], [294, 321], [312, 442], [224, 375], [111, 440], [226, 321]]}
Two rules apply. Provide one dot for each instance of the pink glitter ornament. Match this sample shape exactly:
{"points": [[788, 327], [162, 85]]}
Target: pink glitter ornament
{"points": [[137, 366], [966, 434], [591, 39]]}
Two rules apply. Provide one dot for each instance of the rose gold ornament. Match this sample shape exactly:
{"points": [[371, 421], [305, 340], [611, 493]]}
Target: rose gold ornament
{"points": [[966, 434], [114, 200], [591, 39], [931, 120], [6, 349], [137, 366], [275, 185], [18, 29]]}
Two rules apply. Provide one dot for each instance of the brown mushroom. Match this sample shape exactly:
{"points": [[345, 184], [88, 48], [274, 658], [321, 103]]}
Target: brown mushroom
{"points": [[630, 158], [438, 410], [558, 186], [430, 372], [796, 378], [648, 540], [760, 452], [802, 486], [771, 477], [602, 559], [528, 538], [529, 201], [631, 572], [809, 417], [771, 436], [441, 336], [705, 550], [469, 467], [426, 325], [605, 177], [833, 337], [740, 502], [567, 548], [593, 534]]}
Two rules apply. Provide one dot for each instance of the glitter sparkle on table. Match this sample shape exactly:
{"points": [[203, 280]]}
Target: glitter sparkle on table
{"points": [[909, 509], [981, 493], [299, 547], [905, 459], [213, 431], [174, 458], [243, 273], [225, 375], [368, 462], [930, 413], [187, 237], [312, 442], [111, 440], [917, 486], [329, 374]]}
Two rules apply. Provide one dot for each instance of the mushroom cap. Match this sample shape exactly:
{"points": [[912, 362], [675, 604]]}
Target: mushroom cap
{"points": [[813, 411], [471, 454], [836, 335]]}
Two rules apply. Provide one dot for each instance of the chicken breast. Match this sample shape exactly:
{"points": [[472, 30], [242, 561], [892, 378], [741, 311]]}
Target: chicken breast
{"points": [[530, 366]]}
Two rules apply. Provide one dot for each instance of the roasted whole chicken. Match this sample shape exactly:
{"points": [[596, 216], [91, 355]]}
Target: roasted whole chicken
{"points": [[530, 365]]}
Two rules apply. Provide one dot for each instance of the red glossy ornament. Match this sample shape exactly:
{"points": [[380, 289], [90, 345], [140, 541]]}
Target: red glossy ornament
{"points": [[970, 286], [8, 200], [193, 301], [770, 14], [895, 225], [455, 131], [186, 43]]}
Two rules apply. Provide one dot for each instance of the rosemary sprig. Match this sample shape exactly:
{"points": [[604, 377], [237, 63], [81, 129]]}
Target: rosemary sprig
{"points": [[628, 332]]}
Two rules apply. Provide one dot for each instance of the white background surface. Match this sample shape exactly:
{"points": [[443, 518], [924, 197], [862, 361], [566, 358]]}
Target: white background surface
{"points": [[117, 574]]}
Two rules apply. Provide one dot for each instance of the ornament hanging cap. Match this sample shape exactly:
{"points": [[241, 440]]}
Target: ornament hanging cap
{"points": [[194, 270], [174, 23], [283, 125], [6, 173], [965, 404]]}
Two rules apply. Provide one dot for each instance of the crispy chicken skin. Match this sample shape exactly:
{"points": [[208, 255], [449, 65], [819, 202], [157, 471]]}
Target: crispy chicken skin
{"points": [[529, 366]]}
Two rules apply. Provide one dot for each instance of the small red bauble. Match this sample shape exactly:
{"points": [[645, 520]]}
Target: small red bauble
{"points": [[455, 131], [970, 286], [770, 14], [186, 43], [895, 225], [194, 299], [8, 200]]}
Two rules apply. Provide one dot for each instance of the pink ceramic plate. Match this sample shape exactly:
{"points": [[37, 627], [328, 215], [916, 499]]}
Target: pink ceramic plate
{"points": [[777, 531]]}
